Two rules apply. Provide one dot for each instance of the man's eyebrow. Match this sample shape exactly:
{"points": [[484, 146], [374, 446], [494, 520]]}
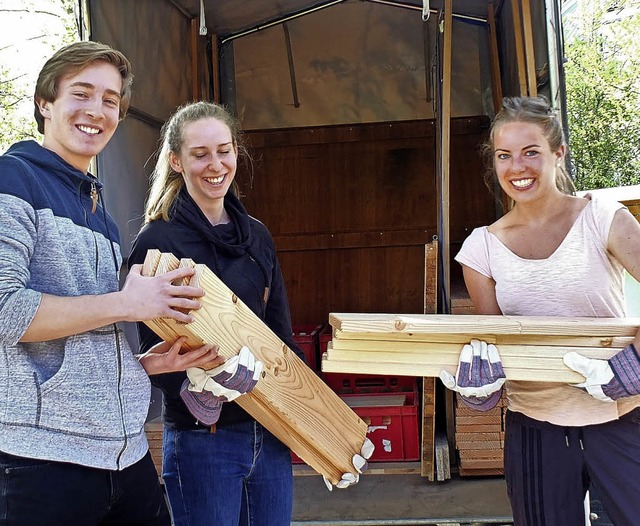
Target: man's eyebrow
{"points": [[88, 85]]}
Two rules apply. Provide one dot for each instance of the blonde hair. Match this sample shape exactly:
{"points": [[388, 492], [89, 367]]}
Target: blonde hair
{"points": [[166, 183]]}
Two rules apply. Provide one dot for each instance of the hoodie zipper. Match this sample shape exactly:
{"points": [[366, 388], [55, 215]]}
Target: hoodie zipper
{"points": [[93, 193], [94, 197]]}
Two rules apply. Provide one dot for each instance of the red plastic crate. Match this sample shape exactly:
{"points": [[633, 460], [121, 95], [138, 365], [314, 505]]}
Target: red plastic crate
{"points": [[344, 384], [393, 429], [306, 336], [324, 338]]}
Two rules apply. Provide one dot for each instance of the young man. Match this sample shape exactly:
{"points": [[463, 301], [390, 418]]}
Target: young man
{"points": [[73, 398]]}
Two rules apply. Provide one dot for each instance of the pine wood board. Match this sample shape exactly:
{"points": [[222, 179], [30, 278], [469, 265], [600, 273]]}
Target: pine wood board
{"points": [[619, 342], [482, 419], [478, 428], [475, 436], [482, 463], [475, 324], [497, 454], [478, 472], [464, 410], [531, 348], [487, 444], [289, 400]]}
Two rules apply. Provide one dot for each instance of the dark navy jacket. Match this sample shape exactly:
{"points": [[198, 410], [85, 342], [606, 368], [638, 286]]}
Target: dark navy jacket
{"points": [[242, 254]]}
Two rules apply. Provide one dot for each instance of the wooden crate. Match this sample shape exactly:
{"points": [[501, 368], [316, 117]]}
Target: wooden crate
{"points": [[479, 437]]}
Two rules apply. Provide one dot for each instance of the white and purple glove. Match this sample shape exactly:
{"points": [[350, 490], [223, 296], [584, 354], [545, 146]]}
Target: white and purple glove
{"points": [[608, 380], [480, 376], [359, 462], [204, 392]]}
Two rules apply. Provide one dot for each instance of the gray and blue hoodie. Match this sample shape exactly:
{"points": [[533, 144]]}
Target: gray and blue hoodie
{"points": [[81, 399]]}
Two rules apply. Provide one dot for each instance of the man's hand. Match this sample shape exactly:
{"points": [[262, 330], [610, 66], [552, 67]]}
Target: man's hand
{"points": [[608, 380], [204, 392], [479, 377], [359, 463], [146, 298], [167, 357]]}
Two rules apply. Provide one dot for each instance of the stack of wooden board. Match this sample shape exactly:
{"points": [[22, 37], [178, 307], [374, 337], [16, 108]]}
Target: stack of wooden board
{"points": [[531, 348], [289, 399], [153, 430], [480, 439]]}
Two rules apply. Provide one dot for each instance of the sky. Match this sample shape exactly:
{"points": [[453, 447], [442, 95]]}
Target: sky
{"points": [[30, 31]]}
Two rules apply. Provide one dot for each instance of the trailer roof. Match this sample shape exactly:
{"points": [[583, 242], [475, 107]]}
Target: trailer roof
{"points": [[230, 17]]}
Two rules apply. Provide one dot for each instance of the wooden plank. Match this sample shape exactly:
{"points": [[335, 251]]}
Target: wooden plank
{"points": [[481, 453], [443, 460], [479, 437], [479, 428], [482, 463], [527, 363], [428, 448], [289, 399], [195, 55], [488, 472], [530, 59], [494, 59], [497, 339], [487, 444], [445, 148], [519, 46], [215, 68], [483, 324], [479, 419], [463, 410], [529, 349], [432, 460], [407, 368]]}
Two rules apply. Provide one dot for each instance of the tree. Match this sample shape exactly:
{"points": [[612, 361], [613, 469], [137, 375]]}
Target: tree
{"points": [[603, 95], [32, 30]]}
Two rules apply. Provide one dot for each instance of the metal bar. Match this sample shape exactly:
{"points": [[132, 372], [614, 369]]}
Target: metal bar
{"points": [[292, 70], [459, 16], [145, 117], [280, 20]]}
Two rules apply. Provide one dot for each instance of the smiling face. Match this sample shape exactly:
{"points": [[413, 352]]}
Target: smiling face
{"points": [[207, 161], [85, 114], [523, 161]]}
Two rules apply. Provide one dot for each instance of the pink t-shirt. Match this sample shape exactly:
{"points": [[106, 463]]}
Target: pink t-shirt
{"points": [[581, 278]]}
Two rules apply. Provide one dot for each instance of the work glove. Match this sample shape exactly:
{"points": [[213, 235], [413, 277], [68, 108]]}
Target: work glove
{"points": [[204, 391], [359, 462], [608, 380], [480, 376]]}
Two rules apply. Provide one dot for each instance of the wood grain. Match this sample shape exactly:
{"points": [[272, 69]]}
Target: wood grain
{"points": [[289, 400]]}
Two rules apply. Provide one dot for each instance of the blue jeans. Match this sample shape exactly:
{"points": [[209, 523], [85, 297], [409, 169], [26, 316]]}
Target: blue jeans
{"points": [[43, 493], [238, 476]]}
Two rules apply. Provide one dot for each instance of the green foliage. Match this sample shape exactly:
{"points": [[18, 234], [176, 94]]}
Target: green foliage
{"points": [[14, 126], [603, 97], [47, 25]]}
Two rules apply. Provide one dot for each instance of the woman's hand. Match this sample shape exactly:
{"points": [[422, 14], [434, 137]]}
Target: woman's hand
{"points": [[166, 357], [608, 380], [480, 376]]}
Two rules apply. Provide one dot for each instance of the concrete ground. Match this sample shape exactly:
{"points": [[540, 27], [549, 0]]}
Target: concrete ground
{"points": [[401, 500]]}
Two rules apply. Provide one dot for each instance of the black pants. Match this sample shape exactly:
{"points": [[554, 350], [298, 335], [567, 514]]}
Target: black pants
{"points": [[43, 493], [548, 470]]}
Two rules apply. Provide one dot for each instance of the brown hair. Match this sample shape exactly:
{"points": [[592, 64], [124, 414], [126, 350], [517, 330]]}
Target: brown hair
{"points": [[71, 59], [165, 182], [534, 110]]}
